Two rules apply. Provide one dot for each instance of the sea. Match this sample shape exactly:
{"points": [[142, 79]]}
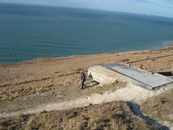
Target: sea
{"points": [[32, 31]]}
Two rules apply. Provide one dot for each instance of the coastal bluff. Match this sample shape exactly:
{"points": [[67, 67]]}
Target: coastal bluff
{"points": [[46, 73], [43, 93]]}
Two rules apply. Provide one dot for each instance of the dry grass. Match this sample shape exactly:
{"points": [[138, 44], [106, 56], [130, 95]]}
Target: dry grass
{"points": [[108, 116], [49, 74], [59, 94], [46, 73], [124, 60], [159, 107]]}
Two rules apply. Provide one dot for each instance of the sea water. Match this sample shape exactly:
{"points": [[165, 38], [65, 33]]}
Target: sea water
{"points": [[31, 31]]}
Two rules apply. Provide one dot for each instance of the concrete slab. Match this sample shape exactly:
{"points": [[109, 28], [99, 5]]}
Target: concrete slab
{"points": [[147, 79]]}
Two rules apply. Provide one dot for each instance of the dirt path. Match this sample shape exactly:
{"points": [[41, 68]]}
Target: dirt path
{"points": [[129, 93], [136, 110]]}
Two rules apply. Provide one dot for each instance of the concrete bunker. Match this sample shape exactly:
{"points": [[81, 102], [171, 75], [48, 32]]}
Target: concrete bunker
{"points": [[110, 73]]}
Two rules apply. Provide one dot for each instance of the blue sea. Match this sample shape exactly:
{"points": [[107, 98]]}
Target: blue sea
{"points": [[31, 31]]}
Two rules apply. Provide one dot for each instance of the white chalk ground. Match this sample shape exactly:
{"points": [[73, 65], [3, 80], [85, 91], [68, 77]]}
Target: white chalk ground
{"points": [[129, 93]]}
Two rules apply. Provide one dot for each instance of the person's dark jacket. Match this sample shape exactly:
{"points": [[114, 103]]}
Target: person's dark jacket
{"points": [[83, 77]]}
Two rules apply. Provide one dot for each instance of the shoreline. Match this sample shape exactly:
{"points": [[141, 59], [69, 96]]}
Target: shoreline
{"points": [[64, 57], [43, 72]]}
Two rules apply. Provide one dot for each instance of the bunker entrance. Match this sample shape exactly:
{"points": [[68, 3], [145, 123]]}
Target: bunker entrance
{"points": [[166, 73]]}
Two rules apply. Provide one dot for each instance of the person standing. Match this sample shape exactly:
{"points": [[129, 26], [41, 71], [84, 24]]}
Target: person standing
{"points": [[82, 79]]}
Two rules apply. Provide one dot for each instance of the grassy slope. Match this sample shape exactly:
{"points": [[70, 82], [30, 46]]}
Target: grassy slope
{"points": [[160, 108], [108, 116], [45, 74]]}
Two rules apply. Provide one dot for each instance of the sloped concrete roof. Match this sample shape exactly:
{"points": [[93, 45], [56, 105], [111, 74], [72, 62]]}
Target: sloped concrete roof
{"points": [[151, 80]]}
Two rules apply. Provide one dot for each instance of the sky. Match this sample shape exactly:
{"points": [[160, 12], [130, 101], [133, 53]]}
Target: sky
{"points": [[148, 7]]}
